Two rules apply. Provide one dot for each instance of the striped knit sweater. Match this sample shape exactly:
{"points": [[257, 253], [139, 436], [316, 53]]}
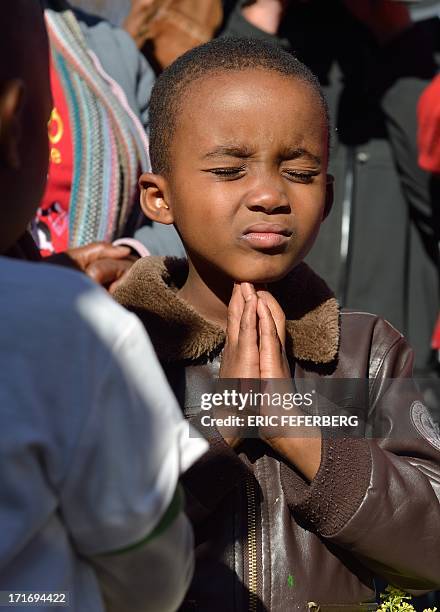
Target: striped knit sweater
{"points": [[110, 147]]}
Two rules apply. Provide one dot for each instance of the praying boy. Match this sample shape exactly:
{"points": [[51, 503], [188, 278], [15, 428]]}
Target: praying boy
{"points": [[239, 150]]}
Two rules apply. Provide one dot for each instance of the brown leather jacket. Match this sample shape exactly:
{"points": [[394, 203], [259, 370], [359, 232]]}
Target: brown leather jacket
{"points": [[265, 538]]}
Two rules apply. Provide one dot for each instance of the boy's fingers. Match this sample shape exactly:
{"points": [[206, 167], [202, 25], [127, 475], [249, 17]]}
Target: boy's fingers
{"points": [[248, 337], [235, 311], [241, 358], [247, 289], [277, 314], [268, 329], [273, 363], [248, 321]]}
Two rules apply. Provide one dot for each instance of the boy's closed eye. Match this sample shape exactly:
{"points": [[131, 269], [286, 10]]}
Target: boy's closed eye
{"points": [[228, 172], [298, 176], [236, 172]]}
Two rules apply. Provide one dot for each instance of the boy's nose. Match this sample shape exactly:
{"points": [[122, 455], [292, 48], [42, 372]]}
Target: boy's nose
{"points": [[269, 199]]}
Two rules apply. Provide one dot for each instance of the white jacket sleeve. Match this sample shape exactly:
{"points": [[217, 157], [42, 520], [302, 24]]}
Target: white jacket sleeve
{"points": [[119, 492], [154, 575]]}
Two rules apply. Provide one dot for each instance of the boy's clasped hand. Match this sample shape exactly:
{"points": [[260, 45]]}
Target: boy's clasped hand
{"points": [[255, 336], [255, 349]]}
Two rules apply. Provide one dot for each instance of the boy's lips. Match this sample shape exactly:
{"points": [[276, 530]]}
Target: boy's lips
{"points": [[266, 235]]}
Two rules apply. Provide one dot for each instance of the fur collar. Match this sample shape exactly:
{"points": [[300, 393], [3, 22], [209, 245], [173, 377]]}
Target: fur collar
{"points": [[179, 333]]}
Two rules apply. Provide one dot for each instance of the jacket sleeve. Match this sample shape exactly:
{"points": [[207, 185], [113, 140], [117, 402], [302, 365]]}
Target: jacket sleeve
{"points": [[378, 497], [139, 578]]}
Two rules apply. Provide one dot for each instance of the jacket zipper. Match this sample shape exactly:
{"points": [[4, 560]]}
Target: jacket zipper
{"points": [[252, 545]]}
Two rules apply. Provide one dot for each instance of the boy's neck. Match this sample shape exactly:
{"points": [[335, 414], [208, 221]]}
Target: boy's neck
{"points": [[209, 300]]}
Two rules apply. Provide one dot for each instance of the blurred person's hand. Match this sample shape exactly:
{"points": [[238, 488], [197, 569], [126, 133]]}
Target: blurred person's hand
{"points": [[385, 18], [110, 273], [172, 27], [137, 21], [265, 14], [86, 255], [104, 263]]}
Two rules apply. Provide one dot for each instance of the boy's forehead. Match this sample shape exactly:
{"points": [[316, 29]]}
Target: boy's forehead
{"points": [[240, 83], [242, 108]]}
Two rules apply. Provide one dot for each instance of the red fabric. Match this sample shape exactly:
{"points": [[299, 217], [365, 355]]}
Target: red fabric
{"points": [[53, 213], [435, 342], [428, 115]]}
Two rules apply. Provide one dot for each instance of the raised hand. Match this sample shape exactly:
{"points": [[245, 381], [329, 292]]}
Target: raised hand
{"points": [[273, 360], [241, 358], [303, 452], [255, 349], [272, 336]]}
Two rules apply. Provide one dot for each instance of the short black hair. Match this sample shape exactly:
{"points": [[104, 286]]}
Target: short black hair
{"points": [[218, 55]]}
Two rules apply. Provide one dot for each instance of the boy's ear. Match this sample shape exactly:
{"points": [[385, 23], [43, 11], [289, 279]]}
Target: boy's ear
{"points": [[329, 195], [154, 199], [11, 105]]}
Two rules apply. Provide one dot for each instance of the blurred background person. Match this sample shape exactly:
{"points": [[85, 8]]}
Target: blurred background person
{"points": [[92, 449], [428, 115], [114, 11], [162, 29], [101, 86]]}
